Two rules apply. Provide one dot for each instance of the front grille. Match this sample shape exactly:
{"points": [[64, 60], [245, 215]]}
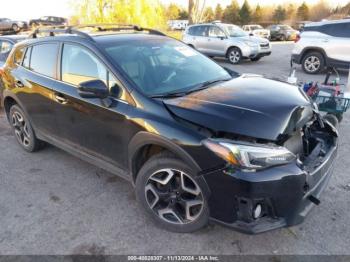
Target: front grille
{"points": [[264, 45]]}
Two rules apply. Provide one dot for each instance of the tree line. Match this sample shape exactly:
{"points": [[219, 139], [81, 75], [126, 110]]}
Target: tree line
{"points": [[244, 14], [152, 13]]}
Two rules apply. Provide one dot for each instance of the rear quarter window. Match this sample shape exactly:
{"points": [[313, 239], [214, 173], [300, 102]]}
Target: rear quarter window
{"points": [[337, 30]]}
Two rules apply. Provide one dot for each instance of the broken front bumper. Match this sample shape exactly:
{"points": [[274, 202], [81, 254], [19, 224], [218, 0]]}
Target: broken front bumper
{"points": [[286, 194]]}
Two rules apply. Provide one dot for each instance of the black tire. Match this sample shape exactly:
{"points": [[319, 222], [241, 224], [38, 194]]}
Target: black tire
{"points": [[332, 119], [282, 38], [255, 59], [313, 62], [15, 28], [166, 203], [234, 55], [23, 130]]}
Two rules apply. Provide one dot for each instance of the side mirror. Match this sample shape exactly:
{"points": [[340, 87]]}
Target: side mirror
{"points": [[251, 34], [93, 89], [222, 37]]}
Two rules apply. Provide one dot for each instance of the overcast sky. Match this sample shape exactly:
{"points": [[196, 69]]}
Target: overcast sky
{"points": [[27, 9]]}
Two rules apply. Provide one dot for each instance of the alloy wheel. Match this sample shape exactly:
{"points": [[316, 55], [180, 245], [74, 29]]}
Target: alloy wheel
{"points": [[234, 56], [174, 196], [21, 129], [312, 64]]}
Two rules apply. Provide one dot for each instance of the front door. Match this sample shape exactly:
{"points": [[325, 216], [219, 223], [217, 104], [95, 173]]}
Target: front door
{"points": [[90, 124]]}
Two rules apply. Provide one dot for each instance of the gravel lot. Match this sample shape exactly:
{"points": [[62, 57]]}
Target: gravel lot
{"points": [[54, 203]]}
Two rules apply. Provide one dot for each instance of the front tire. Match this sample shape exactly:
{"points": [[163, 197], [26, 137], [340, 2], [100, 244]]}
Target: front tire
{"points": [[167, 189], [234, 55], [23, 130], [313, 63]]}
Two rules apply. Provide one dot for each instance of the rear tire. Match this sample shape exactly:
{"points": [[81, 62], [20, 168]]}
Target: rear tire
{"points": [[23, 130], [283, 38], [234, 55], [313, 62], [168, 191]]}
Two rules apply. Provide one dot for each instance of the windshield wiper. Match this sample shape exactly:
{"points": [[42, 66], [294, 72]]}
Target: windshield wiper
{"points": [[206, 84], [198, 87]]}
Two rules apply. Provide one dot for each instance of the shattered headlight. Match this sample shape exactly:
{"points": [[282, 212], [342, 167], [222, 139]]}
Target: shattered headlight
{"points": [[249, 156]]}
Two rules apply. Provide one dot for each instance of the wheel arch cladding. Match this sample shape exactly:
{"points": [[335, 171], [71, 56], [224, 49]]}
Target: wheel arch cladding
{"points": [[314, 49], [144, 145], [231, 47]]}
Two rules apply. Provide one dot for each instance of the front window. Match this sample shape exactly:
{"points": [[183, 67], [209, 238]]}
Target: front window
{"points": [[163, 66], [233, 30]]}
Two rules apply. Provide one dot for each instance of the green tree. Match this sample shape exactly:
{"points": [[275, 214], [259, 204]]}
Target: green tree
{"points": [[218, 12], [173, 12], [147, 13], [279, 14], [245, 14], [209, 14], [257, 17], [303, 12], [183, 15], [231, 13]]}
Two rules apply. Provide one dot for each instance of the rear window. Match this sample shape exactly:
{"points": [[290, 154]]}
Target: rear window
{"points": [[5, 49], [43, 59], [336, 30], [197, 30]]}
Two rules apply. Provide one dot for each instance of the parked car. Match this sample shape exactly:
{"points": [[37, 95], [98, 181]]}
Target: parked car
{"points": [[198, 142], [48, 21], [257, 30], [6, 45], [282, 32], [177, 24], [323, 44], [8, 25], [226, 40]]}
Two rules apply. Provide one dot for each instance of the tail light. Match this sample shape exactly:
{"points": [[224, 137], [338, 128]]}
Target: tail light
{"points": [[297, 38]]}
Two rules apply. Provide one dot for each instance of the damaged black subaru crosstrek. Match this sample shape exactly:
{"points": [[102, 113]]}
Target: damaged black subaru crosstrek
{"points": [[197, 141]]}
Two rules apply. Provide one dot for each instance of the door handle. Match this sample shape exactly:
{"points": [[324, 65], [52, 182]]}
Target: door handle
{"points": [[19, 84], [61, 99], [325, 40]]}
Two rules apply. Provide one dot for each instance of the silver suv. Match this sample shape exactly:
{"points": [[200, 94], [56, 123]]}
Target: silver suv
{"points": [[323, 44], [226, 40]]}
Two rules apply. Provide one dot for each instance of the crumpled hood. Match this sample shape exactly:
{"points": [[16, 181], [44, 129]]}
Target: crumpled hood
{"points": [[248, 105]]}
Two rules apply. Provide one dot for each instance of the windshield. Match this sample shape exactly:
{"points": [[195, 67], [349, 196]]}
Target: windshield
{"points": [[163, 66], [233, 30], [255, 27]]}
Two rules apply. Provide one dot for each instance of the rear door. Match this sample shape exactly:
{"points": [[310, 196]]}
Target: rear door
{"points": [[336, 43], [216, 41], [33, 78], [90, 124]]}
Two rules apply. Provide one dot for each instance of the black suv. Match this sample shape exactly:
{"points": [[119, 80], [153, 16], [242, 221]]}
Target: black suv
{"points": [[48, 21], [197, 141]]}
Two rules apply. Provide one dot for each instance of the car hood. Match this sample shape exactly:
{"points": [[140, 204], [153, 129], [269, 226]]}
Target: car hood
{"points": [[248, 105], [253, 39], [261, 31]]}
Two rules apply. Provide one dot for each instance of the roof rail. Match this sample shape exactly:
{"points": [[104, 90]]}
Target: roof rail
{"points": [[59, 29], [103, 27], [100, 28]]}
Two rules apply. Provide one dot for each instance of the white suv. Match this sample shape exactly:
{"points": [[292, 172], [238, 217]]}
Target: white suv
{"points": [[323, 44], [226, 40]]}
